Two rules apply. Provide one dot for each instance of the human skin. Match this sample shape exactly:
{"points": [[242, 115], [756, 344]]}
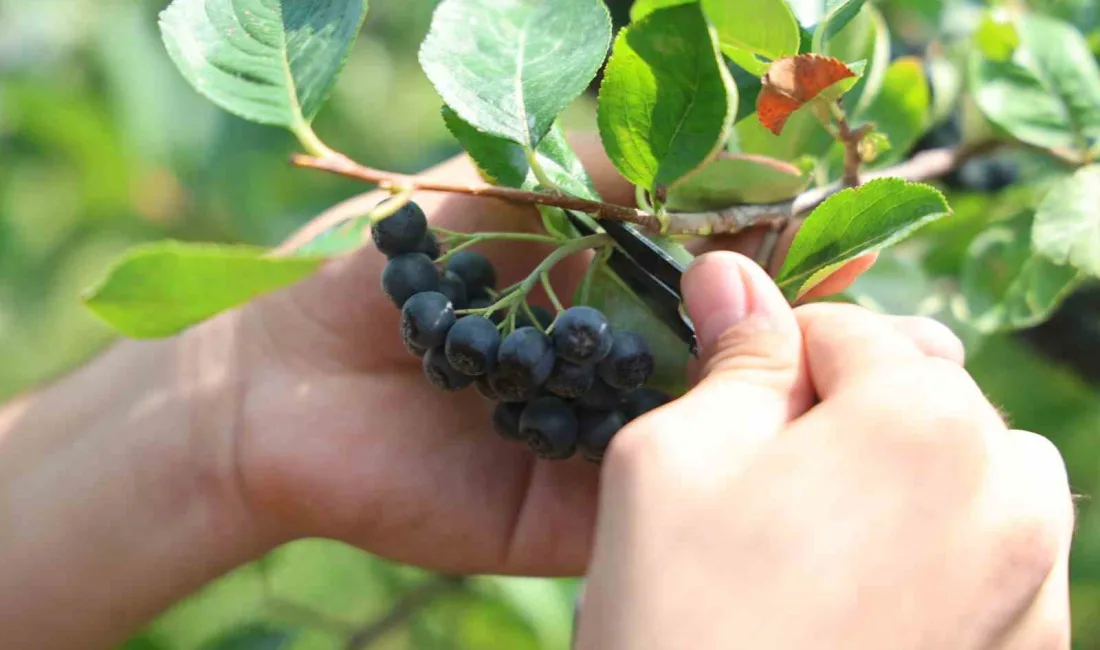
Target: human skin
{"points": [[899, 511], [162, 465]]}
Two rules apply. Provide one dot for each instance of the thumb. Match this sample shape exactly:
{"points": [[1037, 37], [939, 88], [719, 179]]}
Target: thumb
{"points": [[751, 344]]}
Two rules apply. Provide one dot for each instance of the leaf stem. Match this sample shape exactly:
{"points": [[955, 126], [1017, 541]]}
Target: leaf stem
{"points": [[540, 174]]}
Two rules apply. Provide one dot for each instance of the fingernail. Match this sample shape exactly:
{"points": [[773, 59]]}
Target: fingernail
{"points": [[723, 289]]}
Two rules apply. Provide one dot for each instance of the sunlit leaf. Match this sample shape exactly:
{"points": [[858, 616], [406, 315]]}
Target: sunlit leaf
{"points": [[793, 82], [901, 108], [666, 102], [642, 8], [856, 221], [1067, 223], [160, 289], [765, 27], [738, 178], [509, 67], [269, 61]]}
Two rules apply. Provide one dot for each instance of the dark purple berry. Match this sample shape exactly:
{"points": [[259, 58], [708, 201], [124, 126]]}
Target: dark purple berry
{"points": [[440, 372], [638, 402], [401, 232], [550, 428], [582, 335], [630, 362], [524, 361], [425, 320], [570, 380], [407, 275], [452, 286], [484, 387], [476, 271], [429, 245], [596, 429], [506, 420], [472, 345], [601, 396]]}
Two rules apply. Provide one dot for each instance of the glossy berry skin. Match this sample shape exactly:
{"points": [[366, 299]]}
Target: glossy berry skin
{"points": [[544, 318], [638, 402], [570, 380], [524, 361], [439, 371], [506, 420], [454, 288], [595, 431], [415, 350], [629, 364], [550, 428], [582, 335], [401, 232], [407, 275], [601, 396], [425, 320], [476, 271], [472, 345], [429, 245]]}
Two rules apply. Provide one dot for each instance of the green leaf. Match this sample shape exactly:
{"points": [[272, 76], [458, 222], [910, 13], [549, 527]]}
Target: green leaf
{"points": [[337, 239], [838, 13], [509, 67], [502, 162], [160, 289], [738, 178], [666, 102], [946, 85], [766, 27], [1006, 284], [1067, 223], [802, 135], [996, 38], [625, 310], [1048, 95], [856, 221], [268, 61], [255, 636], [865, 38], [901, 108], [643, 8]]}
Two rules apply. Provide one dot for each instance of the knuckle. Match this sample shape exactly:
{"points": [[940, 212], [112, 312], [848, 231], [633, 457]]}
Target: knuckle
{"points": [[1027, 552]]}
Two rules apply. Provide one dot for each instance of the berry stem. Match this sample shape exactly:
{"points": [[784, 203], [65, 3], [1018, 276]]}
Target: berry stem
{"points": [[544, 277], [473, 239]]}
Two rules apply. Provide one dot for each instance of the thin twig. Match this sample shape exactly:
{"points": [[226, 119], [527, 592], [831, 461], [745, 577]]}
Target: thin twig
{"points": [[403, 610], [344, 166], [850, 139]]}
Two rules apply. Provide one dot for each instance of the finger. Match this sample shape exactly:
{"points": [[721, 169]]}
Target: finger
{"points": [[1031, 505], [841, 279], [751, 362], [932, 337], [844, 344]]}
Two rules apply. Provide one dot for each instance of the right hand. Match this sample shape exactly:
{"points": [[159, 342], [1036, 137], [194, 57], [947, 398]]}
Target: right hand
{"points": [[898, 512]]}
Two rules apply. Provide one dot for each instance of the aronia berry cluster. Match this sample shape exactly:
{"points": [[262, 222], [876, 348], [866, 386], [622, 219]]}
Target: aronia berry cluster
{"points": [[562, 384]]}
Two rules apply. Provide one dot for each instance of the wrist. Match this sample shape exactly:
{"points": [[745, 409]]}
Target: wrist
{"points": [[120, 474]]}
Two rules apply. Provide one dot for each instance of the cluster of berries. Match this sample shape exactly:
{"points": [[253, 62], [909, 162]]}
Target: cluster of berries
{"points": [[561, 384]]}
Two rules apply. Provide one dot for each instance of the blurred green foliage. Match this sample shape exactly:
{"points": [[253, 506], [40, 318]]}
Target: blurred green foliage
{"points": [[102, 145]]}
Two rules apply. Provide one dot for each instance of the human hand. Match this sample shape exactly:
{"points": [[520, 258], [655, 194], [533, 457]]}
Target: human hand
{"points": [[899, 511], [339, 435]]}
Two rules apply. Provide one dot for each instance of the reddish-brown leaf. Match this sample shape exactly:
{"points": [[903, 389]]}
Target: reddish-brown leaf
{"points": [[792, 82]]}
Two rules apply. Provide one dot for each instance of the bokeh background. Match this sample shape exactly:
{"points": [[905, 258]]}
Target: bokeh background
{"points": [[103, 145]]}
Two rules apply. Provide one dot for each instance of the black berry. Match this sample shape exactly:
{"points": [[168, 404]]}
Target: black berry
{"points": [[570, 380], [415, 349], [582, 335], [643, 400], [402, 232], [544, 318], [524, 361], [425, 320], [452, 286], [506, 420], [476, 271], [595, 431], [429, 245], [484, 387], [629, 364], [600, 396], [440, 372], [472, 345], [550, 427], [407, 275]]}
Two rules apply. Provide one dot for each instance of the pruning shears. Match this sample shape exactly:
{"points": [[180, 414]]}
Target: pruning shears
{"points": [[649, 271]]}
